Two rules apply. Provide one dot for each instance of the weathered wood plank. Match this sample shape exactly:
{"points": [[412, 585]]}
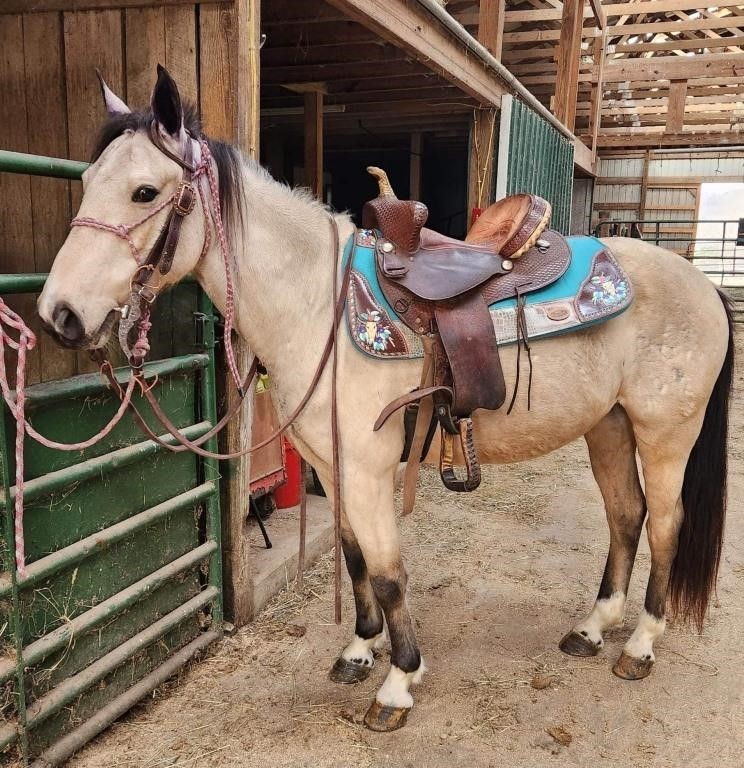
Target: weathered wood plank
{"points": [[229, 84], [92, 39], [43, 6], [180, 50], [676, 67], [480, 160], [409, 27], [217, 70], [675, 117], [145, 49], [491, 26], [47, 135], [16, 233], [313, 138], [567, 59]]}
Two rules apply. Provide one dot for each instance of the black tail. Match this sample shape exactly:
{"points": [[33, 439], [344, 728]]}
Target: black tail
{"points": [[695, 568]]}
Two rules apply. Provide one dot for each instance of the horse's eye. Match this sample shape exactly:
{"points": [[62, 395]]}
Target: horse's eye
{"points": [[144, 194]]}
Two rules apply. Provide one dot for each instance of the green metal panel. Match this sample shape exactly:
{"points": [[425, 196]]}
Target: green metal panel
{"points": [[540, 162], [124, 568]]}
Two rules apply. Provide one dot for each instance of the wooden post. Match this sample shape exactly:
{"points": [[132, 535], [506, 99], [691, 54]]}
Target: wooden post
{"points": [[229, 56], [595, 112], [567, 58], [676, 108], [314, 142], [480, 160], [491, 26], [414, 167], [644, 185]]}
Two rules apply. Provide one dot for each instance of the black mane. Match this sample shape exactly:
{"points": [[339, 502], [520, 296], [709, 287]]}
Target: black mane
{"points": [[227, 158]]}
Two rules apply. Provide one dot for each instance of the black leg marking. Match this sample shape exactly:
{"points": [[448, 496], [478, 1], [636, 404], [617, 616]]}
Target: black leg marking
{"points": [[368, 613], [391, 593]]}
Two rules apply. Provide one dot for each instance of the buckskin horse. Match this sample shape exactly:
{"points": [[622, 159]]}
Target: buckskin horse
{"points": [[655, 380]]}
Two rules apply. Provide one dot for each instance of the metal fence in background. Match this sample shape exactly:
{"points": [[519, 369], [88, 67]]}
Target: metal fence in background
{"points": [[714, 247]]}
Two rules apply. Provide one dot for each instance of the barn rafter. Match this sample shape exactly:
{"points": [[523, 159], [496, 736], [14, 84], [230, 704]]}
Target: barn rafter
{"points": [[650, 73]]}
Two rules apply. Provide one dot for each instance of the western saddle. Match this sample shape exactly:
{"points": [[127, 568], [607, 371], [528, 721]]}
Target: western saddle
{"points": [[441, 289]]}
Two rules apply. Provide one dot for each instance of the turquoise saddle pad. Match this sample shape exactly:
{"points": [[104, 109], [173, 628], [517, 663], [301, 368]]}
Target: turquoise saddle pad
{"points": [[593, 289]]}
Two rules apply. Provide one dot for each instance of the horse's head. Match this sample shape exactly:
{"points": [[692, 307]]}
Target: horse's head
{"points": [[128, 195]]}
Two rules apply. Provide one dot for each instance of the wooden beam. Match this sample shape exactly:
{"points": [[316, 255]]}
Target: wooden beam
{"points": [[410, 27], [232, 59], [314, 142], [480, 160], [491, 26], [644, 185], [599, 14], [680, 45], [414, 165], [469, 18], [42, 6], [567, 58], [675, 116], [583, 157], [675, 67], [595, 114], [675, 25], [658, 139]]}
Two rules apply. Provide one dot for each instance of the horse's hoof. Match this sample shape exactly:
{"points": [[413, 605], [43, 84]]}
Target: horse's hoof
{"points": [[348, 672], [630, 668], [576, 644], [383, 718]]}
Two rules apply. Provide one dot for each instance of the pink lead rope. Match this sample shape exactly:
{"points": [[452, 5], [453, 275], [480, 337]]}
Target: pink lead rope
{"points": [[17, 405]]}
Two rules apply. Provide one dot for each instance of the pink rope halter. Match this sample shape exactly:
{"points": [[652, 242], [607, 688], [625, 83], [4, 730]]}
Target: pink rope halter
{"points": [[11, 322]]}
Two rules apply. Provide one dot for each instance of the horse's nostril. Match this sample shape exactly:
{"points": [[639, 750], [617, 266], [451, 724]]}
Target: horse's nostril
{"points": [[67, 324]]}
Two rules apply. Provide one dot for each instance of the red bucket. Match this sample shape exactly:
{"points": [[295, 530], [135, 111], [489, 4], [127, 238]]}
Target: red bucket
{"points": [[288, 494]]}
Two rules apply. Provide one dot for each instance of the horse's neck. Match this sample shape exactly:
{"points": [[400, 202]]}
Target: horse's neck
{"points": [[283, 273]]}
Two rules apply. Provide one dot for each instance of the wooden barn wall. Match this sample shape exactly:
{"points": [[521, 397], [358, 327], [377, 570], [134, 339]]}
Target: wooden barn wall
{"points": [[52, 106], [661, 186]]}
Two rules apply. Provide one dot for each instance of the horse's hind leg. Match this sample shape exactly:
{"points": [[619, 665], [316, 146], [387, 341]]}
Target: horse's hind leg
{"points": [[664, 463], [357, 659], [612, 451]]}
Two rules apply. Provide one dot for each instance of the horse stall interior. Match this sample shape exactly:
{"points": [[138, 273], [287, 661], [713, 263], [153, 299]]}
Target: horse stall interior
{"points": [[123, 540]]}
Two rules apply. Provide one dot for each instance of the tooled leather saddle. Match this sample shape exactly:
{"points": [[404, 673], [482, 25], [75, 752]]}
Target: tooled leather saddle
{"points": [[441, 289]]}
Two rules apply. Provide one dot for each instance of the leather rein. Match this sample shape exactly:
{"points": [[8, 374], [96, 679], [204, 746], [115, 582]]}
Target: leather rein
{"points": [[135, 321]]}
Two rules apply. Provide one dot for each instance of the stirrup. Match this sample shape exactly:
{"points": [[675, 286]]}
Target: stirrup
{"points": [[446, 459]]}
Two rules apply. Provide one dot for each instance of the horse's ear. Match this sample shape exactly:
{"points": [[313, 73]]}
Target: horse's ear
{"points": [[114, 105], [166, 103]]}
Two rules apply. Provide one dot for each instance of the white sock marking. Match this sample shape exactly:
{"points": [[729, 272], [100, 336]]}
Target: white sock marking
{"points": [[359, 650], [394, 691], [640, 644], [605, 614]]}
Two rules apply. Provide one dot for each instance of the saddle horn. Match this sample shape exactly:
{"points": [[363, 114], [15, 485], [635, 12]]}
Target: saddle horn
{"points": [[386, 189]]}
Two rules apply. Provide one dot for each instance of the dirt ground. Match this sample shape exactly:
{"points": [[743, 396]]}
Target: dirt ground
{"points": [[496, 578]]}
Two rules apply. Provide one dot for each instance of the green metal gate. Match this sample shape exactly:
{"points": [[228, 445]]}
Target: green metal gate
{"points": [[124, 574], [534, 157]]}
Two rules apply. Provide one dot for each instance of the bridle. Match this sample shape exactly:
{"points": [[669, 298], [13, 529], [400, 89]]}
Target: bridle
{"points": [[135, 321]]}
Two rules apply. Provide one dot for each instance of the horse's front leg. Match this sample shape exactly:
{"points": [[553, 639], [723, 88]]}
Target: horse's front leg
{"points": [[357, 659], [368, 503]]}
